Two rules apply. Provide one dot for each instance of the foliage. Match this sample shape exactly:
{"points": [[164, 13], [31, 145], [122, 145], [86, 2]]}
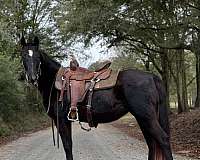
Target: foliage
{"points": [[11, 95], [17, 104], [151, 31], [18, 101]]}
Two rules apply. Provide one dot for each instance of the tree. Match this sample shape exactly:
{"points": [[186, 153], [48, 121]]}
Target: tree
{"points": [[17, 18], [153, 28]]}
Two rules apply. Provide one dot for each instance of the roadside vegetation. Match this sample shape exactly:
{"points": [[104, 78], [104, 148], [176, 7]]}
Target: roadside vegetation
{"points": [[20, 109]]}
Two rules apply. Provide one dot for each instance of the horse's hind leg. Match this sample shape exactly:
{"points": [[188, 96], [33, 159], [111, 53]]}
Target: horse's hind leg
{"points": [[161, 138], [149, 141], [155, 152], [157, 139], [138, 103]]}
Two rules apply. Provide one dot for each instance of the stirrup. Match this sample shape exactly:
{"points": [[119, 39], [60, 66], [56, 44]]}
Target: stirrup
{"points": [[71, 118], [83, 128]]}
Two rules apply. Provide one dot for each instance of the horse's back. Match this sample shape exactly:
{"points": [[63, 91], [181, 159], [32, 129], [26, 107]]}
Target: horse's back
{"points": [[134, 77]]}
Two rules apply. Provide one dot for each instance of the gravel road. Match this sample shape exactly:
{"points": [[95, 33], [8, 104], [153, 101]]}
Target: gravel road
{"points": [[104, 143]]}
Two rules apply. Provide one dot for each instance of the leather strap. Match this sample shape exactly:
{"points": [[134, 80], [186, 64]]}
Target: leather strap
{"points": [[77, 90], [62, 90], [91, 90], [66, 83], [89, 105]]}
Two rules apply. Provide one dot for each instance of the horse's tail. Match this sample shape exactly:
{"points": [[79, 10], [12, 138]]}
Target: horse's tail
{"points": [[162, 105]]}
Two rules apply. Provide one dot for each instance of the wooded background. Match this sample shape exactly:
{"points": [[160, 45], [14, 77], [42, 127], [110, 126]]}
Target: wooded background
{"points": [[162, 37]]}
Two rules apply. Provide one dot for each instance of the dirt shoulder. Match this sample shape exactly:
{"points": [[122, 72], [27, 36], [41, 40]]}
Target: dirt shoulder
{"points": [[185, 132]]}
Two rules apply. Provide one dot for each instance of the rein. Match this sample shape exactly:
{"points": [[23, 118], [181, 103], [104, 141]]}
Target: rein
{"points": [[52, 122], [39, 72]]}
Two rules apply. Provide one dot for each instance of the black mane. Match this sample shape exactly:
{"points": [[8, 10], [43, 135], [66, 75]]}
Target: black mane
{"points": [[50, 61], [49, 69]]}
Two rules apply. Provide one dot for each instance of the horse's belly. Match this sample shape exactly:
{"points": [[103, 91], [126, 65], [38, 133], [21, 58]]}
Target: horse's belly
{"points": [[106, 107], [109, 114], [103, 115]]}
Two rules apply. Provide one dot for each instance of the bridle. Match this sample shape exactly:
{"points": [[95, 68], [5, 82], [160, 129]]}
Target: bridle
{"points": [[38, 74]]}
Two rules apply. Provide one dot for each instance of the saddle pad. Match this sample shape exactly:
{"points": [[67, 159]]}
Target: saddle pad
{"points": [[107, 83], [108, 79]]}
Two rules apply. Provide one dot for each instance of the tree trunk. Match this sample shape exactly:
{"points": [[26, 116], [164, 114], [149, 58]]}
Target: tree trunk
{"points": [[147, 64], [180, 104], [184, 81], [178, 82], [165, 75], [197, 102], [197, 55]]}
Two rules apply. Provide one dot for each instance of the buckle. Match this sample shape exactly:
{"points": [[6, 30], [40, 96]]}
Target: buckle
{"points": [[88, 106], [63, 78], [73, 116], [97, 80]]}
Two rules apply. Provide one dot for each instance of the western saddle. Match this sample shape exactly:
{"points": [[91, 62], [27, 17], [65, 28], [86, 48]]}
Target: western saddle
{"points": [[80, 82]]}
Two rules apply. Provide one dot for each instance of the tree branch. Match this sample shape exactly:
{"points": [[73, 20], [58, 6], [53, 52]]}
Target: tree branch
{"points": [[191, 81], [154, 63], [193, 6], [143, 44]]}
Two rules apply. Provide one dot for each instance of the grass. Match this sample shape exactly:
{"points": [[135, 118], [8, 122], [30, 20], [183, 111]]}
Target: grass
{"points": [[23, 124]]}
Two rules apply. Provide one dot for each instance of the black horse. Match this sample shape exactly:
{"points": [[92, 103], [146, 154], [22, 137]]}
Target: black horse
{"points": [[140, 93]]}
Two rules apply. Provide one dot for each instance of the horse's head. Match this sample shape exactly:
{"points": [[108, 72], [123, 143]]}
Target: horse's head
{"points": [[31, 60]]}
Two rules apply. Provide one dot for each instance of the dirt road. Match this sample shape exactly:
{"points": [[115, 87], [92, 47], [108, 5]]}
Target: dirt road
{"points": [[104, 143]]}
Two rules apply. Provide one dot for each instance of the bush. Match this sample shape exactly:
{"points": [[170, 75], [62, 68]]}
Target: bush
{"points": [[19, 106], [11, 93]]}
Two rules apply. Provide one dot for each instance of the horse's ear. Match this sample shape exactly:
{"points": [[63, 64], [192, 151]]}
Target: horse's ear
{"points": [[36, 41], [23, 41]]}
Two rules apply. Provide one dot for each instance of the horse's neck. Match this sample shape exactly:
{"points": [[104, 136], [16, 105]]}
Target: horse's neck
{"points": [[47, 77]]}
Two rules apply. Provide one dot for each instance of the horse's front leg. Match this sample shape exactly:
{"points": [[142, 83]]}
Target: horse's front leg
{"points": [[65, 130]]}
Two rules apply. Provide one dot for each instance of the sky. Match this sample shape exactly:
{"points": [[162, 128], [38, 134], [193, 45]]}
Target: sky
{"points": [[86, 57]]}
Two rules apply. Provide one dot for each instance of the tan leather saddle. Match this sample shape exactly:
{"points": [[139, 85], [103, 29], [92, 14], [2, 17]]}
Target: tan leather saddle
{"points": [[81, 81]]}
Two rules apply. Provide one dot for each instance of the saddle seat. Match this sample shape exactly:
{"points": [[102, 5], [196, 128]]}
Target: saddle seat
{"points": [[79, 82]]}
